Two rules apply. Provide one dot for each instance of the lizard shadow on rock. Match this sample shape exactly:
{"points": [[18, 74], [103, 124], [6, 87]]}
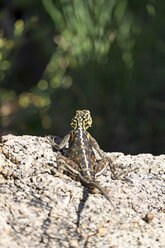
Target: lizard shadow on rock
{"points": [[81, 205]]}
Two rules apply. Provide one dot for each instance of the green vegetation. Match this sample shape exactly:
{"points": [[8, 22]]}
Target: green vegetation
{"points": [[103, 55]]}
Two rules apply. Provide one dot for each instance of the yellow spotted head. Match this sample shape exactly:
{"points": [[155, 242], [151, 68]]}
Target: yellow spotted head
{"points": [[82, 119]]}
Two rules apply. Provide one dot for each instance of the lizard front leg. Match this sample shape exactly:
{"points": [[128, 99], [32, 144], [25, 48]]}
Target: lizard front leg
{"points": [[62, 144], [96, 146], [104, 161]]}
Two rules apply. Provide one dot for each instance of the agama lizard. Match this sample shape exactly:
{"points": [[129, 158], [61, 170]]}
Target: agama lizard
{"points": [[80, 159]]}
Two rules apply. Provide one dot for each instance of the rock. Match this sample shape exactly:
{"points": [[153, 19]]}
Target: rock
{"points": [[41, 207]]}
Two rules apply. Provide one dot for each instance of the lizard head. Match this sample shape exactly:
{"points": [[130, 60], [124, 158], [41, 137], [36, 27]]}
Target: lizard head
{"points": [[82, 118]]}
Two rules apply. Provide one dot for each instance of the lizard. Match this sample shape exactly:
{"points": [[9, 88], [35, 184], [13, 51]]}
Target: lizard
{"points": [[80, 159]]}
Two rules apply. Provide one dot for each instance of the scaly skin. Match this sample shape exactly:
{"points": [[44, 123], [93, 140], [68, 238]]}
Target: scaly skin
{"points": [[80, 158]]}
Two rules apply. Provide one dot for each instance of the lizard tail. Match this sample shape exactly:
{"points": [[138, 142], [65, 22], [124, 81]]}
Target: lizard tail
{"points": [[96, 185]]}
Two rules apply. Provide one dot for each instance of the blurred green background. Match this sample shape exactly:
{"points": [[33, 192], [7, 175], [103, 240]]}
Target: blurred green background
{"points": [[108, 56]]}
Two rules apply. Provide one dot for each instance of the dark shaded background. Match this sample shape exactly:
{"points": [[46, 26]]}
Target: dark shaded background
{"points": [[105, 56]]}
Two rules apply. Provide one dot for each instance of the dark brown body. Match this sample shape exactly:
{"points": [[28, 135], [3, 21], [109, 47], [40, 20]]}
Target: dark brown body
{"points": [[81, 152], [80, 158]]}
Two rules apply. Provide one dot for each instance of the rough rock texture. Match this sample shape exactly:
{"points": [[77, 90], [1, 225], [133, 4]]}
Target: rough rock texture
{"points": [[41, 207]]}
